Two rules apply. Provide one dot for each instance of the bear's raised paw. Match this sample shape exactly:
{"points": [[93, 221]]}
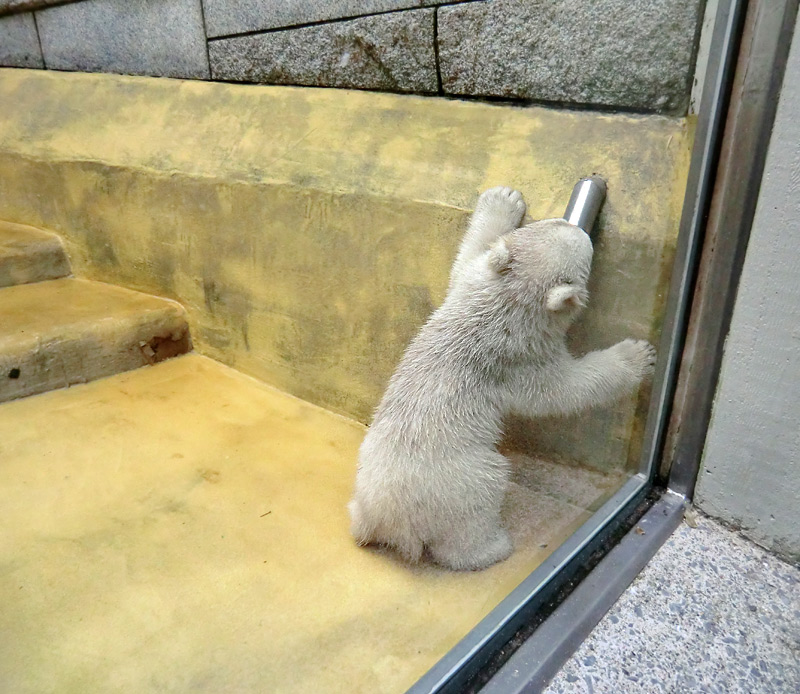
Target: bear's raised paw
{"points": [[504, 204], [638, 354]]}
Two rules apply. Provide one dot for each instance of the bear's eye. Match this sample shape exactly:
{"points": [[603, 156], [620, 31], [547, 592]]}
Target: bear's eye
{"points": [[565, 280]]}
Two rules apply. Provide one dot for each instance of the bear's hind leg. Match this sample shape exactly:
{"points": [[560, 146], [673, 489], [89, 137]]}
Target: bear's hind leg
{"points": [[399, 534], [363, 532], [470, 546]]}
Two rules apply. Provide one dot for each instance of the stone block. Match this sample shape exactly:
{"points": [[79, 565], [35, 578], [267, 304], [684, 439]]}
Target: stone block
{"points": [[603, 53], [19, 44], [238, 16], [13, 5], [9, 6], [164, 39], [391, 52]]}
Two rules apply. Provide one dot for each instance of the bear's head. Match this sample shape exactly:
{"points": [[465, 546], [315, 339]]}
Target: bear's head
{"points": [[546, 266]]}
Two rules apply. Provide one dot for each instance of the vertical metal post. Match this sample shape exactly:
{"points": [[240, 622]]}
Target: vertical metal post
{"points": [[762, 63], [585, 203], [697, 201]]}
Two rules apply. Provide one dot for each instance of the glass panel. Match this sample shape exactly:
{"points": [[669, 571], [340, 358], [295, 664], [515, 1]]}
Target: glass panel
{"points": [[187, 524]]}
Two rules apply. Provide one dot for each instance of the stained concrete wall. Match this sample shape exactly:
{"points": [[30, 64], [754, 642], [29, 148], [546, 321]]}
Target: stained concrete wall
{"points": [[751, 464], [601, 53], [310, 232]]}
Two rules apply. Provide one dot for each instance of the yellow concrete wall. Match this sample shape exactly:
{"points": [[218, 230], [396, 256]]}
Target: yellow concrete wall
{"points": [[309, 233]]}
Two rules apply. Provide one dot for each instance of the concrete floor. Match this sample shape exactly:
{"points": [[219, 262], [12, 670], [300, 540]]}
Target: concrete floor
{"points": [[183, 527], [711, 612]]}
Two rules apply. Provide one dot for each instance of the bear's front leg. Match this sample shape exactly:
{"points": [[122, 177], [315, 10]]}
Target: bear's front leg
{"points": [[570, 385], [499, 210]]}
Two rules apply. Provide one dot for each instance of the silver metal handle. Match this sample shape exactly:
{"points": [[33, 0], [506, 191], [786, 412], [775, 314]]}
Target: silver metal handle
{"points": [[585, 202]]}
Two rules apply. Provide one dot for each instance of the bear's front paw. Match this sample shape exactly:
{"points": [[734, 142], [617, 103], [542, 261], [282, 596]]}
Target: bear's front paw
{"points": [[504, 204], [638, 355]]}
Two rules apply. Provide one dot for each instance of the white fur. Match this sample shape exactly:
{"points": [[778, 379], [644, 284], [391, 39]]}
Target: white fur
{"points": [[430, 476]]}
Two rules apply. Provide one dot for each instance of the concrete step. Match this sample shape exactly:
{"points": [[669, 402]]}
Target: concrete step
{"points": [[187, 525], [60, 332], [28, 255]]}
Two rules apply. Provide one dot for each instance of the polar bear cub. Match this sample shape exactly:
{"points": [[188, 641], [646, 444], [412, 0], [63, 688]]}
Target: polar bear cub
{"points": [[430, 477]]}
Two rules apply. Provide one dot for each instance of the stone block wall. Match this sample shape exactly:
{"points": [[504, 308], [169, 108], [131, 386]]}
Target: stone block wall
{"points": [[616, 54]]}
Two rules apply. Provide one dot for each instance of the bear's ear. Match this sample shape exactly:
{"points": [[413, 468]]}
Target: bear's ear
{"points": [[500, 257], [563, 297]]}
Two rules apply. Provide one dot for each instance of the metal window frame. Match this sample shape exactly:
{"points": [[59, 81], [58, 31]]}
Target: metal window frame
{"points": [[540, 657], [766, 40], [747, 60]]}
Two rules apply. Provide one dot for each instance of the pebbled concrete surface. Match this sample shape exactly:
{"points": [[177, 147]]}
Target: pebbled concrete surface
{"points": [[710, 613]]}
